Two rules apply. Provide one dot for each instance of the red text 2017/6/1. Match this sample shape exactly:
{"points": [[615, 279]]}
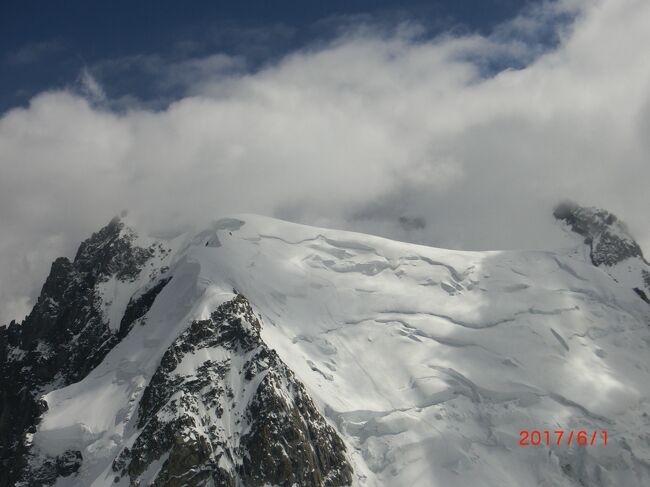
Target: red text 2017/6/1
{"points": [[561, 437]]}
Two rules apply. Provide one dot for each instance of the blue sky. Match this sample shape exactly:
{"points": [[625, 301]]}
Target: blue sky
{"points": [[46, 45]]}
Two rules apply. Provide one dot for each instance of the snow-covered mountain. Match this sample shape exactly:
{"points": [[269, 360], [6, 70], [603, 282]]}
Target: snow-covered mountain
{"points": [[260, 352]]}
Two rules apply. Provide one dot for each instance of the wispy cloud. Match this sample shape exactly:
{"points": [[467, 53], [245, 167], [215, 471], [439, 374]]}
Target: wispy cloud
{"points": [[34, 52], [90, 87]]}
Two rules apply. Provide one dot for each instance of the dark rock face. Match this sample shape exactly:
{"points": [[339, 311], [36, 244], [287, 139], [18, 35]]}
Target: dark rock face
{"points": [[289, 443], [646, 278], [138, 307], [642, 294], [223, 409], [48, 470], [611, 249], [63, 338], [608, 239], [606, 235]]}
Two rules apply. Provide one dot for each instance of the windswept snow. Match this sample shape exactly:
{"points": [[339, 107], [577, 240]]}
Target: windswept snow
{"points": [[429, 362]]}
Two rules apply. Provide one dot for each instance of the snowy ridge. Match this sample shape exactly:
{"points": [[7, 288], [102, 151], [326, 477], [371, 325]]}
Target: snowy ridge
{"points": [[427, 362]]}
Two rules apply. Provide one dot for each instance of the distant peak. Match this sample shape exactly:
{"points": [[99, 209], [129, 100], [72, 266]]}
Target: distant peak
{"points": [[608, 237], [584, 220]]}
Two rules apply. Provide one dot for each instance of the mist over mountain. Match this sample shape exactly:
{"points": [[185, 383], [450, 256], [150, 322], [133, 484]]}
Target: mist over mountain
{"points": [[473, 135]]}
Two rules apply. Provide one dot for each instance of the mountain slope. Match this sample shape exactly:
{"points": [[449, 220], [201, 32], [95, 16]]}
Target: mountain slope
{"points": [[64, 338], [262, 351], [223, 407]]}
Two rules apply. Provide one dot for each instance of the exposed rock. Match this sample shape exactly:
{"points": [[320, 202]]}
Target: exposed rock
{"points": [[63, 338], [611, 246], [236, 416], [608, 238], [240, 417], [138, 307], [642, 294]]}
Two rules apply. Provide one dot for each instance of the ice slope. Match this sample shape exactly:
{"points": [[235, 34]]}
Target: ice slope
{"points": [[427, 361]]}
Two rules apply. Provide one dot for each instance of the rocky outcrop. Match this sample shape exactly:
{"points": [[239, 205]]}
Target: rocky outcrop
{"points": [[608, 238], [63, 338], [610, 243], [223, 409]]}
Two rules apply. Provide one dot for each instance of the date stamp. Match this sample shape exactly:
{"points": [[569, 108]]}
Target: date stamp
{"points": [[562, 437]]}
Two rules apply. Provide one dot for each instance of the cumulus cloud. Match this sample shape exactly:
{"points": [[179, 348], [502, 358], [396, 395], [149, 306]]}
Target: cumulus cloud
{"points": [[395, 134]]}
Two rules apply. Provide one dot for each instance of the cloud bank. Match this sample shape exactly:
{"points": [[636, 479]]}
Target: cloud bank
{"points": [[425, 140]]}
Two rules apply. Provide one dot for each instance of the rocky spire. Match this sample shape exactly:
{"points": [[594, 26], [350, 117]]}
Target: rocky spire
{"points": [[62, 339]]}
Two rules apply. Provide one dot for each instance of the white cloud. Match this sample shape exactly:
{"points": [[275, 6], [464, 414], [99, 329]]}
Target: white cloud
{"points": [[90, 87], [355, 134]]}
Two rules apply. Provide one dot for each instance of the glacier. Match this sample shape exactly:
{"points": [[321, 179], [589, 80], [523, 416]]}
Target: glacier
{"points": [[426, 362]]}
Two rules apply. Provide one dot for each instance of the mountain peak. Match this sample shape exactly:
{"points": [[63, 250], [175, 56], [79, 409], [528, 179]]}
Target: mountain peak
{"points": [[609, 239], [340, 358], [611, 245]]}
